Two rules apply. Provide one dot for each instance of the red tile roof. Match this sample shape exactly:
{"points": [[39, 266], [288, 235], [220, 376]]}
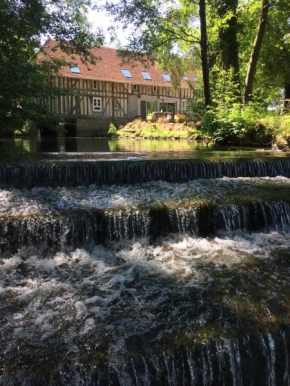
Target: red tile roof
{"points": [[108, 68]]}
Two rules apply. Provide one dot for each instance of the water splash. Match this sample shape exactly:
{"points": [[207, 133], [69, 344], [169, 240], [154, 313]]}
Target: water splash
{"points": [[149, 314]]}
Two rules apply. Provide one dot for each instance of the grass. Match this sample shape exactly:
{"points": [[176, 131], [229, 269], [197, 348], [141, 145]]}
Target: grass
{"points": [[139, 129]]}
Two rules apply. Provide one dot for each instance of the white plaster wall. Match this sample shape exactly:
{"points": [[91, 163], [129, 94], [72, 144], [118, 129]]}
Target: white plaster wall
{"points": [[133, 106]]}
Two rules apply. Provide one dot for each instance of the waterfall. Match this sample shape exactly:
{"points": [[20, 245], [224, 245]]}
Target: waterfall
{"points": [[86, 228], [148, 272], [76, 173], [257, 359]]}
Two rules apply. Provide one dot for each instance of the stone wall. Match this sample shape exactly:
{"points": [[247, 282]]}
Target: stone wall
{"points": [[95, 127]]}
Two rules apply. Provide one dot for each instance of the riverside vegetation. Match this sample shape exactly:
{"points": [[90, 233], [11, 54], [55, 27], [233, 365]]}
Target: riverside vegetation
{"points": [[240, 126]]}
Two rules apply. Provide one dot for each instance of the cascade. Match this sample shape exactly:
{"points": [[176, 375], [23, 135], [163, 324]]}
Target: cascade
{"points": [[58, 173], [147, 272]]}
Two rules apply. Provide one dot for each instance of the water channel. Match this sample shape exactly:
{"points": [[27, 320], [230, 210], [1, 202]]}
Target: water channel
{"points": [[143, 263]]}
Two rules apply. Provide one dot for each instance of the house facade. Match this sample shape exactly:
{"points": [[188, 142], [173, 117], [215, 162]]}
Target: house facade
{"points": [[110, 91]]}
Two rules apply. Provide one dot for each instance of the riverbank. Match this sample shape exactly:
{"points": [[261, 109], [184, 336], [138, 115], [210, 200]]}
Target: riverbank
{"points": [[271, 130], [158, 130]]}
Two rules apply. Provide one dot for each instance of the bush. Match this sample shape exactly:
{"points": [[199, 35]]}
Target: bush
{"points": [[49, 125], [237, 125], [112, 132], [279, 125]]}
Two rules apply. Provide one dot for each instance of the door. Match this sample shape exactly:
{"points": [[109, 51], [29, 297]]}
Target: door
{"points": [[143, 110]]}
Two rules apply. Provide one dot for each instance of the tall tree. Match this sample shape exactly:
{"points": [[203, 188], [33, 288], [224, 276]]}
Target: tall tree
{"points": [[204, 52], [275, 54], [228, 27], [253, 62]]}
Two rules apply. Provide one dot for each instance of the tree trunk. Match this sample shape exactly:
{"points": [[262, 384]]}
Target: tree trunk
{"points": [[228, 37], [252, 66], [287, 91], [204, 52]]}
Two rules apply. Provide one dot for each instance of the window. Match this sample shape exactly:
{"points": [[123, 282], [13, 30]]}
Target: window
{"points": [[97, 104], [146, 75], [167, 77], [135, 87], [168, 107], [154, 89], [95, 84], [195, 78], [126, 73], [75, 70], [185, 77]]}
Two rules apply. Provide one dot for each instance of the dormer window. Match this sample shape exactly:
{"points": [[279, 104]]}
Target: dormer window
{"points": [[75, 70], [185, 78]]}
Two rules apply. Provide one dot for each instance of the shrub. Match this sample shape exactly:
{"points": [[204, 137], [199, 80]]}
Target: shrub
{"points": [[278, 125], [112, 132], [51, 123], [238, 125]]}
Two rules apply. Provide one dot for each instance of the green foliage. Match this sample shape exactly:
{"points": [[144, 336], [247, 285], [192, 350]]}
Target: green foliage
{"points": [[50, 122], [112, 132], [229, 122], [139, 129], [279, 125], [164, 31], [237, 125], [24, 79]]}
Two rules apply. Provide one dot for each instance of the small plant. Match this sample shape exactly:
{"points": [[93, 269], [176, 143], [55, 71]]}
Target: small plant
{"points": [[112, 132]]}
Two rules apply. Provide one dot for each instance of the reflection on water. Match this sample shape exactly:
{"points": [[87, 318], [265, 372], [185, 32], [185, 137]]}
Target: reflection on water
{"points": [[39, 145], [100, 149], [155, 145]]}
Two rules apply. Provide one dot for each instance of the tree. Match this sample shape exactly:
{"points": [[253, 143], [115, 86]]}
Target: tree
{"points": [[23, 26], [253, 62], [227, 11], [274, 71], [163, 31], [204, 52]]}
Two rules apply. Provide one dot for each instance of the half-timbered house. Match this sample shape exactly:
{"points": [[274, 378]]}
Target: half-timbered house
{"points": [[110, 91]]}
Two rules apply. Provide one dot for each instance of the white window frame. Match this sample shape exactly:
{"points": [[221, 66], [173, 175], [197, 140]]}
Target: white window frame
{"points": [[154, 89], [135, 87], [97, 104], [95, 84]]}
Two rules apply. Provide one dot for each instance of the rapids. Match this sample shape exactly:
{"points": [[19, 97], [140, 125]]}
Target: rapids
{"points": [[148, 272], [116, 306]]}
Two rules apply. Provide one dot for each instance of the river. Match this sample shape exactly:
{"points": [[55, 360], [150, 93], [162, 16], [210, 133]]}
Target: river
{"points": [[144, 265]]}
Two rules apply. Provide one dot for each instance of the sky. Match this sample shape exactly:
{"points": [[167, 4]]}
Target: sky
{"points": [[100, 19]]}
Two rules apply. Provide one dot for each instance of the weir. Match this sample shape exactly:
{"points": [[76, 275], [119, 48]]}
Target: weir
{"points": [[146, 272], [75, 173], [86, 228]]}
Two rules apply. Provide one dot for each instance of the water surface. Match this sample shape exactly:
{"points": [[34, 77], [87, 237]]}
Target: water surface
{"points": [[100, 148]]}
